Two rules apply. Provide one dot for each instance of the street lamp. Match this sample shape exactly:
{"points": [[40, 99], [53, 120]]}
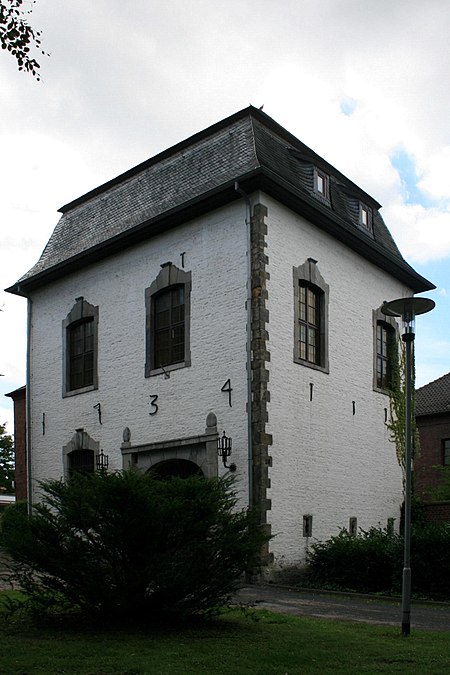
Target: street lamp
{"points": [[408, 309]]}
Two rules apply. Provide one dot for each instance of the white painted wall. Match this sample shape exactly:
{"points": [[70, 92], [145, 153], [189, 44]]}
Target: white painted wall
{"points": [[326, 461], [215, 253]]}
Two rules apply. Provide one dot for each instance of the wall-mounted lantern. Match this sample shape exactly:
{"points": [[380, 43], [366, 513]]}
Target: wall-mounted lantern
{"points": [[102, 461], [224, 444]]}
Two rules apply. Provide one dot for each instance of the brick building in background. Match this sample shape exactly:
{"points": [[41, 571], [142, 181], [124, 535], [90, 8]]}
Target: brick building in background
{"points": [[231, 284], [20, 474], [433, 422]]}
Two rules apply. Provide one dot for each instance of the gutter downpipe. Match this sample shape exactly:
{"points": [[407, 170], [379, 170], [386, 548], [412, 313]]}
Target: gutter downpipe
{"points": [[249, 341], [28, 406]]}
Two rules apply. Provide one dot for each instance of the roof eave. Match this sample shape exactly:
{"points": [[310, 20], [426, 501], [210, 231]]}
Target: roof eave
{"points": [[259, 178], [304, 204], [195, 207], [434, 413]]}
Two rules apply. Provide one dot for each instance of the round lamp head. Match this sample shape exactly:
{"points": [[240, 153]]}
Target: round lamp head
{"points": [[408, 307]]}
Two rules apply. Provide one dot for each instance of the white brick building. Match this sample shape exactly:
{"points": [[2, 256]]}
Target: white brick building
{"points": [[232, 283]]}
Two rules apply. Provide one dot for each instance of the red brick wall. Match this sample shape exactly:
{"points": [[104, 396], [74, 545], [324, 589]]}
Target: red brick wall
{"points": [[437, 512], [19, 398], [432, 430]]}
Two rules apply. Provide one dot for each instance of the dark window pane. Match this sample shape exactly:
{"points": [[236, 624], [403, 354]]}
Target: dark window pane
{"points": [[312, 301], [168, 332], [380, 373], [162, 319], [89, 344], [178, 296], [162, 302], [178, 314], [302, 304], [81, 354], [81, 461], [385, 345], [309, 323]]}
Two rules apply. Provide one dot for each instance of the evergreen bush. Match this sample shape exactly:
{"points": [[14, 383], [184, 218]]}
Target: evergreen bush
{"points": [[367, 562], [430, 560], [372, 561], [127, 544]]}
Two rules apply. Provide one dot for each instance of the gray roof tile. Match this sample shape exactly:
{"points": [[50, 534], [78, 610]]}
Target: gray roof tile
{"points": [[434, 398], [246, 144]]}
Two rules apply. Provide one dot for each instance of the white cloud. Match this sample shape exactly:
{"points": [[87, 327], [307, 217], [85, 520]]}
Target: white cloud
{"points": [[126, 80], [436, 171], [423, 234]]}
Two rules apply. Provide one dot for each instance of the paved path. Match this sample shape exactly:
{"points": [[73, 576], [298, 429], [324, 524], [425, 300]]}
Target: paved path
{"points": [[343, 607]]}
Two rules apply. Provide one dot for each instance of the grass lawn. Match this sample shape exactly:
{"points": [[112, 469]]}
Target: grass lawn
{"points": [[256, 642]]}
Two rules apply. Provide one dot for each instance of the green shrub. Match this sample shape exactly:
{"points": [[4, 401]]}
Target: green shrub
{"points": [[129, 545], [372, 561], [418, 513], [367, 562], [430, 560]]}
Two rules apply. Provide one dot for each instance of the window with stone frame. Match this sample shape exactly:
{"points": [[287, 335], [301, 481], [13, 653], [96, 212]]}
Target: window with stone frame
{"points": [[168, 318], [168, 321], [81, 354], [385, 351], [310, 316], [309, 309], [80, 348], [80, 454]]}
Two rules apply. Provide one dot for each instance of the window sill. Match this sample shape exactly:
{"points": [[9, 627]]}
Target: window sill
{"points": [[322, 198], [380, 390], [151, 372], [314, 366], [81, 390]]}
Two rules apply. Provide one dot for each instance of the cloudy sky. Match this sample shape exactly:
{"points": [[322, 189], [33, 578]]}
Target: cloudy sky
{"points": [[365, 83]]}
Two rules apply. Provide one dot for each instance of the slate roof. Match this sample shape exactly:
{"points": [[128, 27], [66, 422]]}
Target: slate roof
{"points": [[199, 174], [434, 398]]}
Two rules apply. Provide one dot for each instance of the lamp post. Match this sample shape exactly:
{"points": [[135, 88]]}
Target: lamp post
{"points": [[408, 309]]}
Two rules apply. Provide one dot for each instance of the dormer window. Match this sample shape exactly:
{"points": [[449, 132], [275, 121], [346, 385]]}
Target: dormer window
{"points": [[321, 183], [365, 217]]}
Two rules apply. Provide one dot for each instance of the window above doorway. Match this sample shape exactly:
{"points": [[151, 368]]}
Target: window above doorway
{"points": [[80, 348], [167, 303]]}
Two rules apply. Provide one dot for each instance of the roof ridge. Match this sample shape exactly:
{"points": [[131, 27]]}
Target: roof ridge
{"points": [[164, 154]]}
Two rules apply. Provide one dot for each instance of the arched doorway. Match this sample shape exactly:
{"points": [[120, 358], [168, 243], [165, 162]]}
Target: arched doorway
{"points": [[181, 468], [80, 454]]}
